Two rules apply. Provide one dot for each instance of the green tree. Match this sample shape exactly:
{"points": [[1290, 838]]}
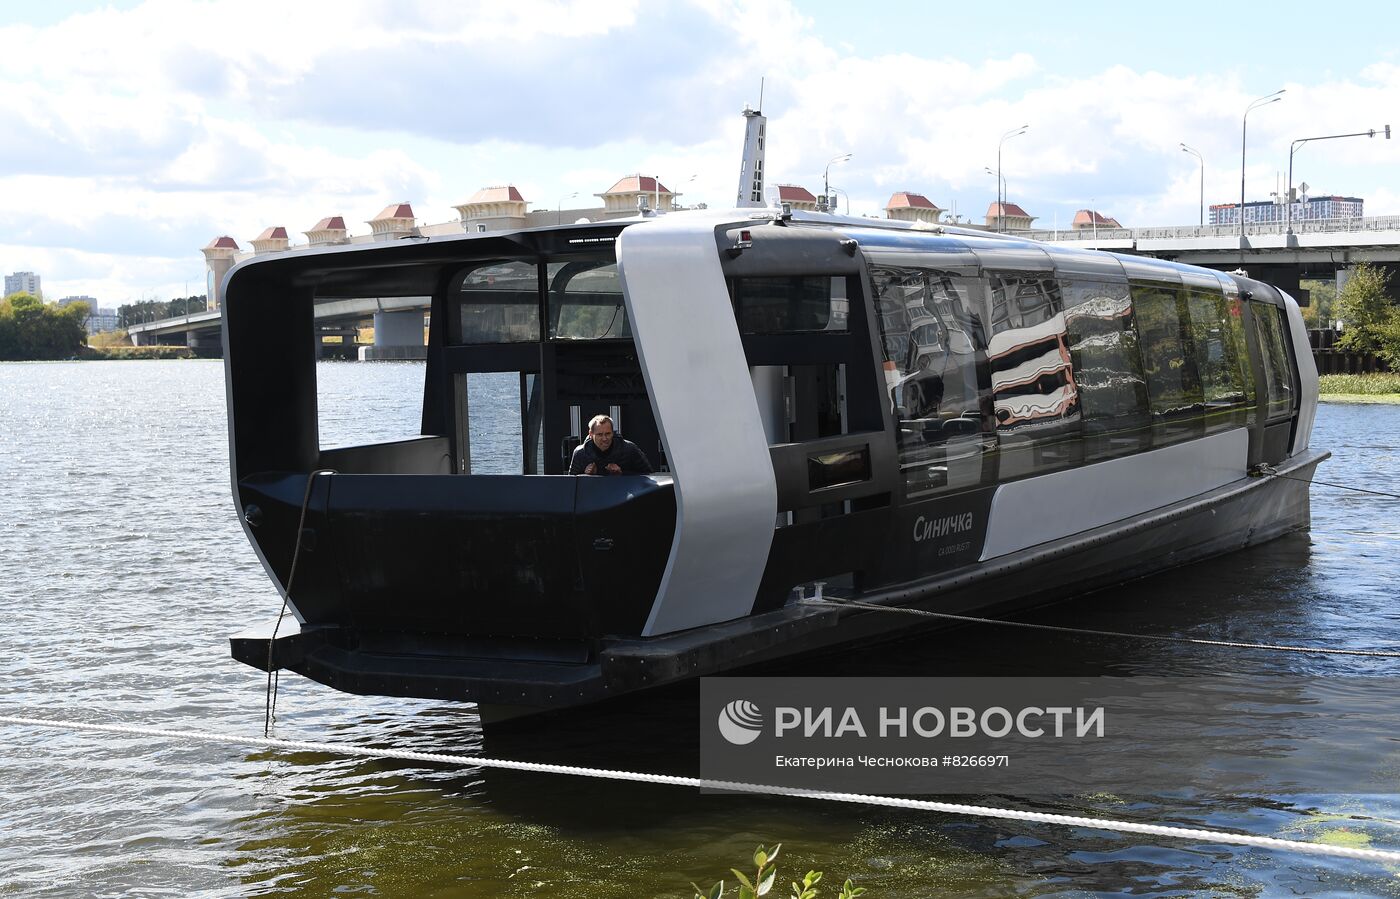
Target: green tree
{"points": [[1369, 315], [32, 329], [1323, 297]]}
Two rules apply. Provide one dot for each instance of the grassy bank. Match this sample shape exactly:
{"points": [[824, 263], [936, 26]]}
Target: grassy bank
{"points": [[136, 352], [1375, 388]]}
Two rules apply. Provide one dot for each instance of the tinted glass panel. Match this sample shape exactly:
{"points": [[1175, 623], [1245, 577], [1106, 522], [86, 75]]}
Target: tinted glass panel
{"points": [[935, 370], [500, 304], [1174, 390], [1034, 396], [1221, 359], [1103, 346], [790, 304], [1278, 373], [585, 301]]}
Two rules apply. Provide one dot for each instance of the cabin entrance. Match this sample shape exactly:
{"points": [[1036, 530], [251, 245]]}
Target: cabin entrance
{"points": [[539, 348]]}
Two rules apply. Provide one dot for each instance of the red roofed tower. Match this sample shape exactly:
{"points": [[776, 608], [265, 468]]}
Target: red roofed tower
{"points": [[621, 199], [1009, 217], [271, 240], [329, 230], [395, 221], [906, 206], [498, 208], [797, 197], [218, 258]]}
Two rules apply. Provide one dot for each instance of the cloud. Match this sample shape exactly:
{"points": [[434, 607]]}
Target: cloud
{"points": [[146, 131]]}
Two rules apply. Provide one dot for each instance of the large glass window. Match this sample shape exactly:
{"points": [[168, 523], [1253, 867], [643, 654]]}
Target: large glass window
{"points": [[500, 303], [933, 348], [1103, 347], [1278, 371], [790, 304], [1221, 358], [500, 423], [1174, 389], [585, 301], [1035, 398]]}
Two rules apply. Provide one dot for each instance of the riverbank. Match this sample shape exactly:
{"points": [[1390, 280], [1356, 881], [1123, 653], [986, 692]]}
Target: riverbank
{"points": [[1372, 388], [137, 352]]}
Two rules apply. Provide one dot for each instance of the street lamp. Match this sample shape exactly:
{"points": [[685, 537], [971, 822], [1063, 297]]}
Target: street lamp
{"points": [[559, 207], [1244, 130], [846, 195], [1292, 148], [826, 174], [1001, 198], [1195, 153], [1001, 182]]}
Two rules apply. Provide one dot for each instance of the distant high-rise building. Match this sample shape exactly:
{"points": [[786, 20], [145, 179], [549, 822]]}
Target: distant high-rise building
{"points": [[1308, 209], [22, 282]]}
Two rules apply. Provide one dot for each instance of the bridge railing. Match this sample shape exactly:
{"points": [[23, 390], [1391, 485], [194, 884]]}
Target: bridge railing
{"points": [[1251, 229]]}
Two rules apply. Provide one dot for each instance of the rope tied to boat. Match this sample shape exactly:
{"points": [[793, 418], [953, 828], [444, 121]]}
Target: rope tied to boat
{"points": [[1159, 638], [1265, 470], [1385, 856], [274, 675]]}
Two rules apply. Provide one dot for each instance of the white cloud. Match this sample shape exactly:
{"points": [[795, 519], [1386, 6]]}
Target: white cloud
{"points": [[147, 131]]}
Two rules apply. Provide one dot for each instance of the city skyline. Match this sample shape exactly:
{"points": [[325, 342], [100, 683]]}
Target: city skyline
{"points": [[139, 131]]}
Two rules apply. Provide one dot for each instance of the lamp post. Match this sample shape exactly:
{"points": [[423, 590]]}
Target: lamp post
{"points": [[1293, 147], [559, 207], [1001, 197], [846, 195], [1244, 130], [826, 175], [1001, 182], [1195, 153]]}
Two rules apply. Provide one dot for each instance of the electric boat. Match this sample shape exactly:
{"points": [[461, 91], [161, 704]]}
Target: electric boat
{"points": [[900, 415]]}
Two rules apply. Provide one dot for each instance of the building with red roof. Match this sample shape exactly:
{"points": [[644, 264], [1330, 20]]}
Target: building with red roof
{"points": [[396, 220], [497, 208], [622, 198], [219, 256], [271, 240], [906, 206], [797, 197], [329, 230], [1008, 217], [1088, 219]]}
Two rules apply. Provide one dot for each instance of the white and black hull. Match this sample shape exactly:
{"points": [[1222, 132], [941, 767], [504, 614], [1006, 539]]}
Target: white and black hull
{"points": [[951, 422]]}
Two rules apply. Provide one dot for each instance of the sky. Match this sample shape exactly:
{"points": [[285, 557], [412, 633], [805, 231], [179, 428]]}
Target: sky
{"points": [[135, 132]]}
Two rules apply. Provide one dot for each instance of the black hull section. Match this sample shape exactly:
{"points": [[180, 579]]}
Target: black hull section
{"points": [[544, 674]]}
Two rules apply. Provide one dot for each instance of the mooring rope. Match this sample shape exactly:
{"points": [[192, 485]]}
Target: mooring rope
{"points": [[1158, 638], [274, 674], [1388, 856], [1265, 470]]}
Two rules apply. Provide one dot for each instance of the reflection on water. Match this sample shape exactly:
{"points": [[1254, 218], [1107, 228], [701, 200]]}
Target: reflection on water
{"points": [[124, 569]]}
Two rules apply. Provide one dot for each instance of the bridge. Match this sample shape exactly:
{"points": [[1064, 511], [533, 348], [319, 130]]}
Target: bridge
{"points": [[398, 327], [1313, 249]]}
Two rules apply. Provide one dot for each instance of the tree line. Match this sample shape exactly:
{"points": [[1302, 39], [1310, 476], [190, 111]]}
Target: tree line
{"points": [[33, 329], [154, 310]]}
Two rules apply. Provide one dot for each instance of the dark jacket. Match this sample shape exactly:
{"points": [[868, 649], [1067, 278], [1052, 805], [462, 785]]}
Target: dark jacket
{"points": [[623, 453]]}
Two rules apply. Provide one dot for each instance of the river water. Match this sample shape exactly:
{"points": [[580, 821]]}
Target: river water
{"points": [[123, 570]]}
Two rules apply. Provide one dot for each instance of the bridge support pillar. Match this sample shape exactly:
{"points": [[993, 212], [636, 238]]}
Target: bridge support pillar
{"points": [[397, 335], [205, 343]]}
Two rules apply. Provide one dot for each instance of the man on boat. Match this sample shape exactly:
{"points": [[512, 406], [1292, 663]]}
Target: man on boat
{"points": [[605, 453]]}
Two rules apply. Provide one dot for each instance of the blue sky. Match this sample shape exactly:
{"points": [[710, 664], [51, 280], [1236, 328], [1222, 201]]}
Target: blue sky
{"points": [[137, 131]]}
